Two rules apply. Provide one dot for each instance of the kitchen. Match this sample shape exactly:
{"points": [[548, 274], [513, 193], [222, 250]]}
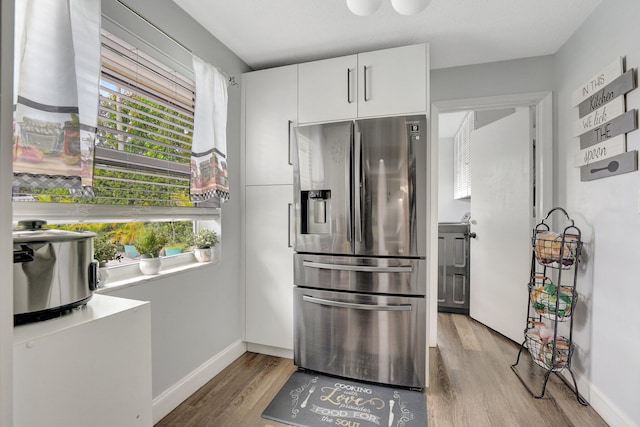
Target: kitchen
{"points": [[198, 326]]}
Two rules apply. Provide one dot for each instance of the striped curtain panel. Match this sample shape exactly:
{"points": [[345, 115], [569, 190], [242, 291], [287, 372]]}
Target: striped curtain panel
{"points": [[209, 176], [56, 90]]}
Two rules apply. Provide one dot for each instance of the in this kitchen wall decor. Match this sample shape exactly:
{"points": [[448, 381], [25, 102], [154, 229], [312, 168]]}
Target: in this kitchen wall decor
{"points": [[604, 122]]}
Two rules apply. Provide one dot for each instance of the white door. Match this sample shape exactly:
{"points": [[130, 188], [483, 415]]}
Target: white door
{"points": [[501, 212]]}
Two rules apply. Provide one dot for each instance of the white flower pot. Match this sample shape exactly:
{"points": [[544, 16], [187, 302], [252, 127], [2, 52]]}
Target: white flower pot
{"points": [[203, 254], [150, 265], [103, 274]]}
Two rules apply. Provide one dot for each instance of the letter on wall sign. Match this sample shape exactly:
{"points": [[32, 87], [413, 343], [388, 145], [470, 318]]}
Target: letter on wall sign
{"points": [[609, 148], [597, 82], [618, 126], [599, 117], [620, 86]]}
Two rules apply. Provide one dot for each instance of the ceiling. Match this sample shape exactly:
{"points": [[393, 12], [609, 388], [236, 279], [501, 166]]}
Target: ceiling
{"points": [[267, 33]]}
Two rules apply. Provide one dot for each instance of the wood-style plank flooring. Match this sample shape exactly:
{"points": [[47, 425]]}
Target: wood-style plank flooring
{"points": [[471, 385]]}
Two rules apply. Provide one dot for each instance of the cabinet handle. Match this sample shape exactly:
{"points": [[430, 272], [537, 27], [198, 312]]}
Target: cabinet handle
{"points": [[289, 206], [349, 85], [289, 161], [366, 98]]}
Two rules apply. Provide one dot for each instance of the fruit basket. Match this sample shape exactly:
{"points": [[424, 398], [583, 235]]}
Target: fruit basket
{"points": [[551, 301], [555, 250], [553, 356]]}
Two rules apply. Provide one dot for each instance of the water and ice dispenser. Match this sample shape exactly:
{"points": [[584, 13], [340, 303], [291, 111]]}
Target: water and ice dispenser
{"points": [[316, 212]]}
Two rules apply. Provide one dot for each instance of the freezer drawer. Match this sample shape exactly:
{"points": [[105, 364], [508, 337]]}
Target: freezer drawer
{"points": [[398, 276], [366, 337]]}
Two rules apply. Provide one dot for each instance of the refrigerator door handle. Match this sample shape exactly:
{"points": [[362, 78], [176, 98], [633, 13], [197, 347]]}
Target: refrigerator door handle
{"points": [[359, 268], [358, 183], [370, 307]]}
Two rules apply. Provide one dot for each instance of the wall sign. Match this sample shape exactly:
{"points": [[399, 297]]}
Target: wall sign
{"points": [[599, 117], [618, 126], [603, 123], [622, 163], [597, 82], [608, 148]]}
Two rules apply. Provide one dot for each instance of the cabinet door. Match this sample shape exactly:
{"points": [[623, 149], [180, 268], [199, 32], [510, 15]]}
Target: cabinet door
{"points": [[392, 81], [90, 367], [270, 103], [327, 90], [269, 265]]}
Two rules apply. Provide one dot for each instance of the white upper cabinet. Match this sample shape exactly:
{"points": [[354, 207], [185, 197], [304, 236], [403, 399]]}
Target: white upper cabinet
{"points": [[270, 101], [380, 83], [327, 89], [392, 81]]}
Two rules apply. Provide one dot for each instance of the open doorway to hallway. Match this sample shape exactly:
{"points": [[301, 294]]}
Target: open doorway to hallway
{"points": [[483, 236]]}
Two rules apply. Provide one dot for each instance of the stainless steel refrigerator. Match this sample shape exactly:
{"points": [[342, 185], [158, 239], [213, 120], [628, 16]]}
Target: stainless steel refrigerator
{"points": [[359, 262]]}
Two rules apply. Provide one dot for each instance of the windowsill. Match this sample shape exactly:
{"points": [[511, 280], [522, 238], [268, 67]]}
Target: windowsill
{"points": [[124, 276]]}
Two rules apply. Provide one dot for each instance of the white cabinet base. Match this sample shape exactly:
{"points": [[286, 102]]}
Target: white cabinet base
{"points": [[91, 367]]}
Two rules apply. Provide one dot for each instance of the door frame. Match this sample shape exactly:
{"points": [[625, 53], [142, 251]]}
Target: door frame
{"points": [[544, 167]]}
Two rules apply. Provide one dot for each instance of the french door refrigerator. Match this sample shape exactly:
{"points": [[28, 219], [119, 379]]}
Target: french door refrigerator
{"points": [[359, 262]]}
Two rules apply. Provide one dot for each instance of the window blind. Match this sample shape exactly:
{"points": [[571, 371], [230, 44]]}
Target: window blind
{"points": [[145, 125]]}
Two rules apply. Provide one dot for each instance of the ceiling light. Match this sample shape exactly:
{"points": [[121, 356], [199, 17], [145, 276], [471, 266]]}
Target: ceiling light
{"points": [[363, 7], [410, 7]]}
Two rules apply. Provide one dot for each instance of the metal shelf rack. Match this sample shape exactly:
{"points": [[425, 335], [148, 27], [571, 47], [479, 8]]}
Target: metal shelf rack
{"points": [[548, 334]]}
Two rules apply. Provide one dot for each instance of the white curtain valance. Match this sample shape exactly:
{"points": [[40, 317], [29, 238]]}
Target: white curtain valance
{"points": [[209, 175], [56, 93]]}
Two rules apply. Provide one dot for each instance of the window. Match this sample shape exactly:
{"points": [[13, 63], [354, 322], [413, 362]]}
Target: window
{"points": [[142, 161], [142, 150]]}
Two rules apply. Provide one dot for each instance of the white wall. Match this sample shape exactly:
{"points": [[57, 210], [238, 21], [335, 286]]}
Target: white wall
{"points": [[449, 209], [606, 210], [6, 171]]}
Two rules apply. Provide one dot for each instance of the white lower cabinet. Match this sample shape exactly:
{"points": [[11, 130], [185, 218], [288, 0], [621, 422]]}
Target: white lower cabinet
{"points": [[91, 367], [269, 265]]}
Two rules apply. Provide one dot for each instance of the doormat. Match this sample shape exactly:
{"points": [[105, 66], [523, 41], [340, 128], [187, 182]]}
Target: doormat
{"points": [[309, 399]]}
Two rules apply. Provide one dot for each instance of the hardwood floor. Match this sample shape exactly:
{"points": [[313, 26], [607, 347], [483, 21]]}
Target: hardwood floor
{"points": [[471, 385]]}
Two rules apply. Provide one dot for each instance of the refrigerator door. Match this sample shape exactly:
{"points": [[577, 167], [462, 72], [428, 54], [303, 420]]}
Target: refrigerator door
{"points": [[369, 337], [322, 184], [390, 163]]}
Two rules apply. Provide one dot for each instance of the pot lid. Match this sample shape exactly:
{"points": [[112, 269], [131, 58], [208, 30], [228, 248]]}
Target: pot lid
{"points": [[31, 231]]}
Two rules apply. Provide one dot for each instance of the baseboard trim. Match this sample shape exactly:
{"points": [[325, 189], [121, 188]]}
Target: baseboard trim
{"points": [[609, 411], [168, 400], [599, 402]]}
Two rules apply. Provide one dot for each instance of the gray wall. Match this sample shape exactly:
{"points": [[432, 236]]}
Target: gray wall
{"points": [[494, 78], [197, 314], [607, 212]]}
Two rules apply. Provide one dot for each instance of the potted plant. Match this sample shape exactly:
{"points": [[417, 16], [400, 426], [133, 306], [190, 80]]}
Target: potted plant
{"points": [[104, 250], [149, 242], [203, 242]]}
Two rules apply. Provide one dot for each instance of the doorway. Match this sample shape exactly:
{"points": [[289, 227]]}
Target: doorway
{"points": [[541, 107]]}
